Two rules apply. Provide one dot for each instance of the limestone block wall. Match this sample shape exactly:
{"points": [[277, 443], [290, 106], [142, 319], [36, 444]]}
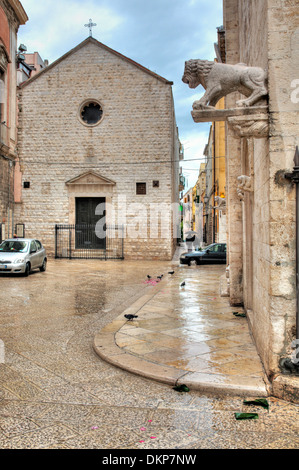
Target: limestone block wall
{"points": [[133, 143], [283, 69], [273, 313], [265, 34]]}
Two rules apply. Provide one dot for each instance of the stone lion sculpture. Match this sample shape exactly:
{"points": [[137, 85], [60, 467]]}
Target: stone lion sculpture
{"points": [[221, 79], [221, 202], [244, 185]]}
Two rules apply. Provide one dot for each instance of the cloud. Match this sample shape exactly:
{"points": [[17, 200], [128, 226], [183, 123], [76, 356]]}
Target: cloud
{"points": [[159, 34], [56, 26]]}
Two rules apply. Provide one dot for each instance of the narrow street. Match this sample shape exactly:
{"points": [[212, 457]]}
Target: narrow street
{"points": [[57, 393]]}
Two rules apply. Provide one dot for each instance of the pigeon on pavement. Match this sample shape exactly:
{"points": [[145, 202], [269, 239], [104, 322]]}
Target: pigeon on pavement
{"points": [[130, 317]]}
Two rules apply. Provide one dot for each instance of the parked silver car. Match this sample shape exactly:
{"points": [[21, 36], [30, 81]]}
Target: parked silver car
{"points": [[22, 255]]}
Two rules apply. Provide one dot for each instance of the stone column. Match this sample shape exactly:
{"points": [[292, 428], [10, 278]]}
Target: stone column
{"points": [[233, 163], [234, 217]]}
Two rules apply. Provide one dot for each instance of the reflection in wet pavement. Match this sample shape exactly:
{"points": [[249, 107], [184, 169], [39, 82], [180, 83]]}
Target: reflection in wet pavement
{"points": [[178, 330], [55, 392]]}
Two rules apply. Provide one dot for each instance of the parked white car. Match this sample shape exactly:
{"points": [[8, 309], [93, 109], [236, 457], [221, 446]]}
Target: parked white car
{"points": [[21, 256]]}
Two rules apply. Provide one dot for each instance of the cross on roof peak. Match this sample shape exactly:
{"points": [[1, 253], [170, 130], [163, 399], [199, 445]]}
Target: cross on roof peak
{"points": [[90, 25]]}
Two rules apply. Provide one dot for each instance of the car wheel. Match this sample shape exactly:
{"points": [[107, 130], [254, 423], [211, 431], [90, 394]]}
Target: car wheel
{"points": [[197, 262], [27, 270], [43, 266]]}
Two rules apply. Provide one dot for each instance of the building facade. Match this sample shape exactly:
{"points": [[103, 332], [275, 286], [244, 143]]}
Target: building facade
{"points": [[12, 15], [187, 203], [199, 209], [214, 198], [35, 62], [259, 80], [218, 130], [99, 144], [261, 203]]}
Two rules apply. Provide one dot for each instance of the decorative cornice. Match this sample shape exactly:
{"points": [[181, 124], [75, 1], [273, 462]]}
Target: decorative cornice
{"points": [[214, 114], [19, 11]]}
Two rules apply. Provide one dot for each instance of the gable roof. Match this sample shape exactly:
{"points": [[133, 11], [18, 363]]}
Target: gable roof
{"points": [[103, 46]]}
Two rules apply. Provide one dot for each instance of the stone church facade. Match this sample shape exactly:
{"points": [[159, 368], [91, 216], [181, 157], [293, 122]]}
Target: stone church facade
{"points": [[98, 136]]}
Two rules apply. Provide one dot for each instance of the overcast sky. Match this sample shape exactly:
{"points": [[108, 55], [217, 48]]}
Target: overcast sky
{"points": [[159, 34]]}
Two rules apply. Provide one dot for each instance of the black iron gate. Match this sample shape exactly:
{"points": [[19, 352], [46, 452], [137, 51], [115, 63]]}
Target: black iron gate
{"points": [[83, 242]]}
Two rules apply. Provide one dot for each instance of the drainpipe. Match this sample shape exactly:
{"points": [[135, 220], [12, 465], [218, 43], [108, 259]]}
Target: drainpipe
{"points": [[288, 365], [10, 213], [11, 205]]}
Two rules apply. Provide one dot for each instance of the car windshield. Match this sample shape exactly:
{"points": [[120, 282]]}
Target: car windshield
{"points": [[13, 246], [216, 248]]}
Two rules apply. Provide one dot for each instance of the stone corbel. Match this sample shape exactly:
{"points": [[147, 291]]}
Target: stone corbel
{"points": [[256, 125], [244, 185]]}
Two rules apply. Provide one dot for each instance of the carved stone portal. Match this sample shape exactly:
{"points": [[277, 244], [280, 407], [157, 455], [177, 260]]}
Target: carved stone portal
{"points": [[221, 79]]}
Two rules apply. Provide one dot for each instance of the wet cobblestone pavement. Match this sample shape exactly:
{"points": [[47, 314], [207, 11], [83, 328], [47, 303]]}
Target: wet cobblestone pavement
{"points": [[57, 393], [187, 335]]}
